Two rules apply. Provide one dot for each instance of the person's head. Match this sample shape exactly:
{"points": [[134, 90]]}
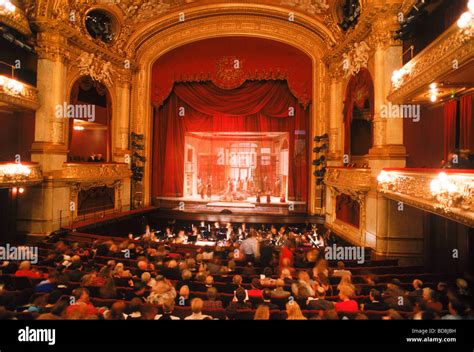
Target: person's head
{"points": [[262, 313], [196, 305], [285, 274], [116, 311], [240, 294], [184, 291], [146, 277], [375, 295], [266, 294], [25, 265], [237, 280], [455, 307], [293, 311], [417, 284], [168, 307], [345, 293], [209, 280], [148, 311], [142, 265], [303, 276], [340, 265], [428, 294], [211, 294], [135, 305]]}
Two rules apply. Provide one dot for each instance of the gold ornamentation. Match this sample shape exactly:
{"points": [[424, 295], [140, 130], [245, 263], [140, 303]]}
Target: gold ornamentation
{"points": [[414, 188], [313, 7], [98, 69], [17, 94], [94, 171], [16, 174], [356, 59]]}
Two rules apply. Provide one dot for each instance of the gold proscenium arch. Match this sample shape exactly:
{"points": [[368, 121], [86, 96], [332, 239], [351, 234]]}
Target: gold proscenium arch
{"points": [[154, 41]]}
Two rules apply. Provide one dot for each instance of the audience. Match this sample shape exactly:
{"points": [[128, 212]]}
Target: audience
{"points": [[96, 281]]}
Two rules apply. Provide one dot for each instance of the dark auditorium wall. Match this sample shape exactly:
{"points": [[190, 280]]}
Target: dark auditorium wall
{"points": [[442, 236], [424, 139], [16, 135]]}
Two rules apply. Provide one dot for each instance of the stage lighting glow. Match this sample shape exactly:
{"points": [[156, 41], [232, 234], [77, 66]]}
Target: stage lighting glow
{"points": [[464, 20]]}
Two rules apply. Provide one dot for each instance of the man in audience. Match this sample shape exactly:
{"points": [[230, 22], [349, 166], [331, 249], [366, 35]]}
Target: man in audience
{"points": [[249, 248], [25, 270], [341, 271], [279, 292], [212, 302], [318, 302], [375, 302], [167, 312], [267, 296]]}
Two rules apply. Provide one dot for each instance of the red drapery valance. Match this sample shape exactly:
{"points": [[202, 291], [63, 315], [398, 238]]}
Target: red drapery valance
{"points": [[359, 89], [229, 62], [253, 107]]}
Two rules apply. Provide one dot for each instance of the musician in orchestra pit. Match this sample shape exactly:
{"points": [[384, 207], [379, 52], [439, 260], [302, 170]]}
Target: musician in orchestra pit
{"points": [[181, 238], [250, 247]]}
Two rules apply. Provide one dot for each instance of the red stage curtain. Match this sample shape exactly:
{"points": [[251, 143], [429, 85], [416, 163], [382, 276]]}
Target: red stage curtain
{"points": [[256, 106], [450, 111], [359, 89], [466, 140], [348, 210]]}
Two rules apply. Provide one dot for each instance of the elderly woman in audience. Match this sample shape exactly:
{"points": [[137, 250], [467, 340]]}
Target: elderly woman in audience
{"points": [[196, 307]]}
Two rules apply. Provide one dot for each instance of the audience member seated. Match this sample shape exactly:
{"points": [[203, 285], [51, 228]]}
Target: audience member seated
{"points": [[196, 307]]}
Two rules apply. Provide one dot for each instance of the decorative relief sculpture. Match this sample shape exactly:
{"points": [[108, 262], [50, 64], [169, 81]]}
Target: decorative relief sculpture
{"points": [[356, 59], [311, 6], [98, 69]]}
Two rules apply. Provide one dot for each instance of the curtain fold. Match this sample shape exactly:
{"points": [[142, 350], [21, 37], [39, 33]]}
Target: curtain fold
{"points": [[256, 106], [466, 140], [450, 111]]}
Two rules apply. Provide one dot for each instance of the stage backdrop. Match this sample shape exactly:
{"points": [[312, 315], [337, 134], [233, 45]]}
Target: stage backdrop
{"points": [[222, 100]]}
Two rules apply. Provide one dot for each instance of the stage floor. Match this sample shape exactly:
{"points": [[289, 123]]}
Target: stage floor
{"points": [[274, 201]]}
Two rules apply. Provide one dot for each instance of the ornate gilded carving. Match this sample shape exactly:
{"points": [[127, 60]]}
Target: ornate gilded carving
{"points": [[16, 175], [413, 188], [356, 59], [18, 95], [310, 6], [94, 171], [15, 19], [443, 56], [98, 69]]}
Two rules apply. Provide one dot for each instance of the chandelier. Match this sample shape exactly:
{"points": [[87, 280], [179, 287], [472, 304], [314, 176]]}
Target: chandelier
{"points": [[6, 5], [14, 172], [446, 191], [466, 22], [11, 86]]}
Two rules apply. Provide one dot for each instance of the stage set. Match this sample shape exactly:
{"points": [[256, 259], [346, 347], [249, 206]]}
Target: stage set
{"points": [[231, 127]]}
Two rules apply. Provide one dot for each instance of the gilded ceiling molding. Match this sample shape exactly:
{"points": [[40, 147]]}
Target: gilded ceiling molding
{"points": [[446, 54]]}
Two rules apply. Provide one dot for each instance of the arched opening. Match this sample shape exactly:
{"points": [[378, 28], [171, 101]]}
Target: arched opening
{"points": [[90, 115], [233, 93], [358, 118]]}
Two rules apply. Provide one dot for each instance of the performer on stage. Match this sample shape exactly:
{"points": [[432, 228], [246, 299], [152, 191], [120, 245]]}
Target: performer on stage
{"points": [[209, 187]]}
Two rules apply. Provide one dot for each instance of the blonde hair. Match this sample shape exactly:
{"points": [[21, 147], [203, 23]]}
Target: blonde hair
{"points": [[293, 311], [262, 313], [196, 305]]}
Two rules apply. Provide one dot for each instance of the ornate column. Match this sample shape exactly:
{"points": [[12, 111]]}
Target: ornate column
{"points": [[335, 154], [123, 88], [49, 147], [388, 149]]}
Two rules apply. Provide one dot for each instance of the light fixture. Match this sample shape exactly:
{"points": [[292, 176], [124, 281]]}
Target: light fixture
{"points": [[398, 76], [466, 22], [79, 128], [7, 5], [21, 190], [11, 86], [445, 191], [433, 98], [385, 181]]}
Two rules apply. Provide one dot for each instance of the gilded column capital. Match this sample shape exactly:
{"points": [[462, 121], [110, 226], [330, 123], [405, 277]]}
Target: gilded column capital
{"points": [[53, 46]]}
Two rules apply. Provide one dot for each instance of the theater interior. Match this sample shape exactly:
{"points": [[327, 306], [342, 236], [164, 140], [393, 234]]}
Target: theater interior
{"points": [[236, 160]]}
